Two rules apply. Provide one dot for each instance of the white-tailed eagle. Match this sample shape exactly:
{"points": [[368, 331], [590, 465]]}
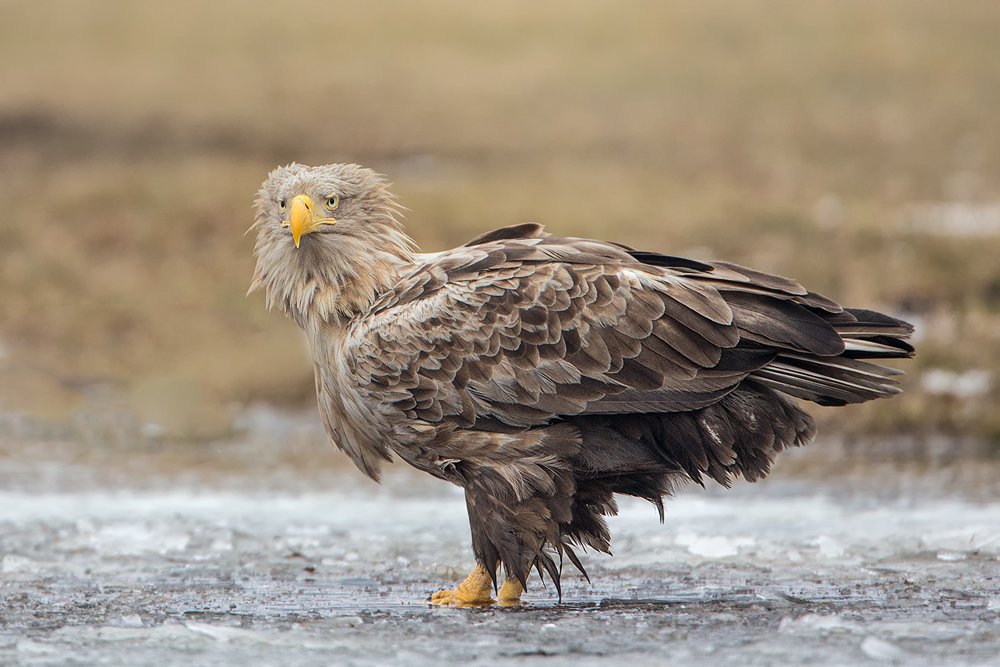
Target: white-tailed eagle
{"points": [[544, 375]]}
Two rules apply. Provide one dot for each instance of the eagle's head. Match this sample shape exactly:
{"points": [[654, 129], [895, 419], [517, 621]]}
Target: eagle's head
{"points": [[328, 241]]}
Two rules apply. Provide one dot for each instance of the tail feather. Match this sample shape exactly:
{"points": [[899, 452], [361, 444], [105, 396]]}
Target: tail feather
{"points": [[870, 320], [843, 378], [876, 347], [826, 384]]}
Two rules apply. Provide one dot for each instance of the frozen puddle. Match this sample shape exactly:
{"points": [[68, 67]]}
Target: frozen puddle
{"points": [[764, 575]]}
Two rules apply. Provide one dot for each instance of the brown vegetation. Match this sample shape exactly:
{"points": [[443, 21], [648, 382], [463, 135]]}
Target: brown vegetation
{"points": [[792, 137]]}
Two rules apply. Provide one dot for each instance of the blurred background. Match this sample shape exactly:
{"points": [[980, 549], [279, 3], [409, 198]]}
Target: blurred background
{"points": [[852, 146]]}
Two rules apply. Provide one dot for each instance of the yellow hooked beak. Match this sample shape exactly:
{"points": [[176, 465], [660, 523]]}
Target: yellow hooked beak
{"points": [[302, 221]]}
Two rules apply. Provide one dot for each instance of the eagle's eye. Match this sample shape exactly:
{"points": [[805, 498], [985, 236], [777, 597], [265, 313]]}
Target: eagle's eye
{"points": [[281, 205], [332, 201]]}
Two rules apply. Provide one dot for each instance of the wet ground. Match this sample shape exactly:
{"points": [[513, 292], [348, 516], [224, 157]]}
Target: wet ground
{"points": [[167, 562]]}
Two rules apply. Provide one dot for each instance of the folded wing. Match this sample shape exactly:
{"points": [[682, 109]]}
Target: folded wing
{"points": [[519, 328]]}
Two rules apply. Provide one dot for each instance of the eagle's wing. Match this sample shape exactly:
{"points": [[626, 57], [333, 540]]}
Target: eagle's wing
{"points": [[518, 327]]}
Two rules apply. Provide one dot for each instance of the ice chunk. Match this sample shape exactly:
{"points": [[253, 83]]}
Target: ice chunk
{"points": [[22, 568], [879, 649], [221, 545], [28, 648], [135, 539], [975, 537], [918, 630], [130, 621], [224, 633], [828, 547], [13, 563], [816, 624], [167, 633], [718, 546]]}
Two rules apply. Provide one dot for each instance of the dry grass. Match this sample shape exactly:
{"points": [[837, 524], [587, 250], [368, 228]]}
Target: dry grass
{"points": [[786, 135]]}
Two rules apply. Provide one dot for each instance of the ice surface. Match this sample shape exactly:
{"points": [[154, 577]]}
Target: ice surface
{"points": [[779, 573]]}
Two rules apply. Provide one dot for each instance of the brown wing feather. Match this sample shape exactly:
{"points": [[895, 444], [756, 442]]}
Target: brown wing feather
{"points": [[519, 328], [515, 338]]}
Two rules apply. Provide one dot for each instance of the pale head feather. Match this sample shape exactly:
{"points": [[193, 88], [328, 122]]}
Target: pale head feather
{"points": [[339, 270]]}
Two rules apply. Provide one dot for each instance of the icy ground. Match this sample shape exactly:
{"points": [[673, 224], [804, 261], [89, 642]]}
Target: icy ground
{"points": [[177, 570]]}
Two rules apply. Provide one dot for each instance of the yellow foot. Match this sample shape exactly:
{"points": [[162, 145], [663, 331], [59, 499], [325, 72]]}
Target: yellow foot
{"points": [[475, 592], [510, 593]]}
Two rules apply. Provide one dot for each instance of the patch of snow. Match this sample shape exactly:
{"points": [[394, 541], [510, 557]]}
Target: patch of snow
{"points": [[152, 430], [959, 219], [829, 211], [969, 384]]}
